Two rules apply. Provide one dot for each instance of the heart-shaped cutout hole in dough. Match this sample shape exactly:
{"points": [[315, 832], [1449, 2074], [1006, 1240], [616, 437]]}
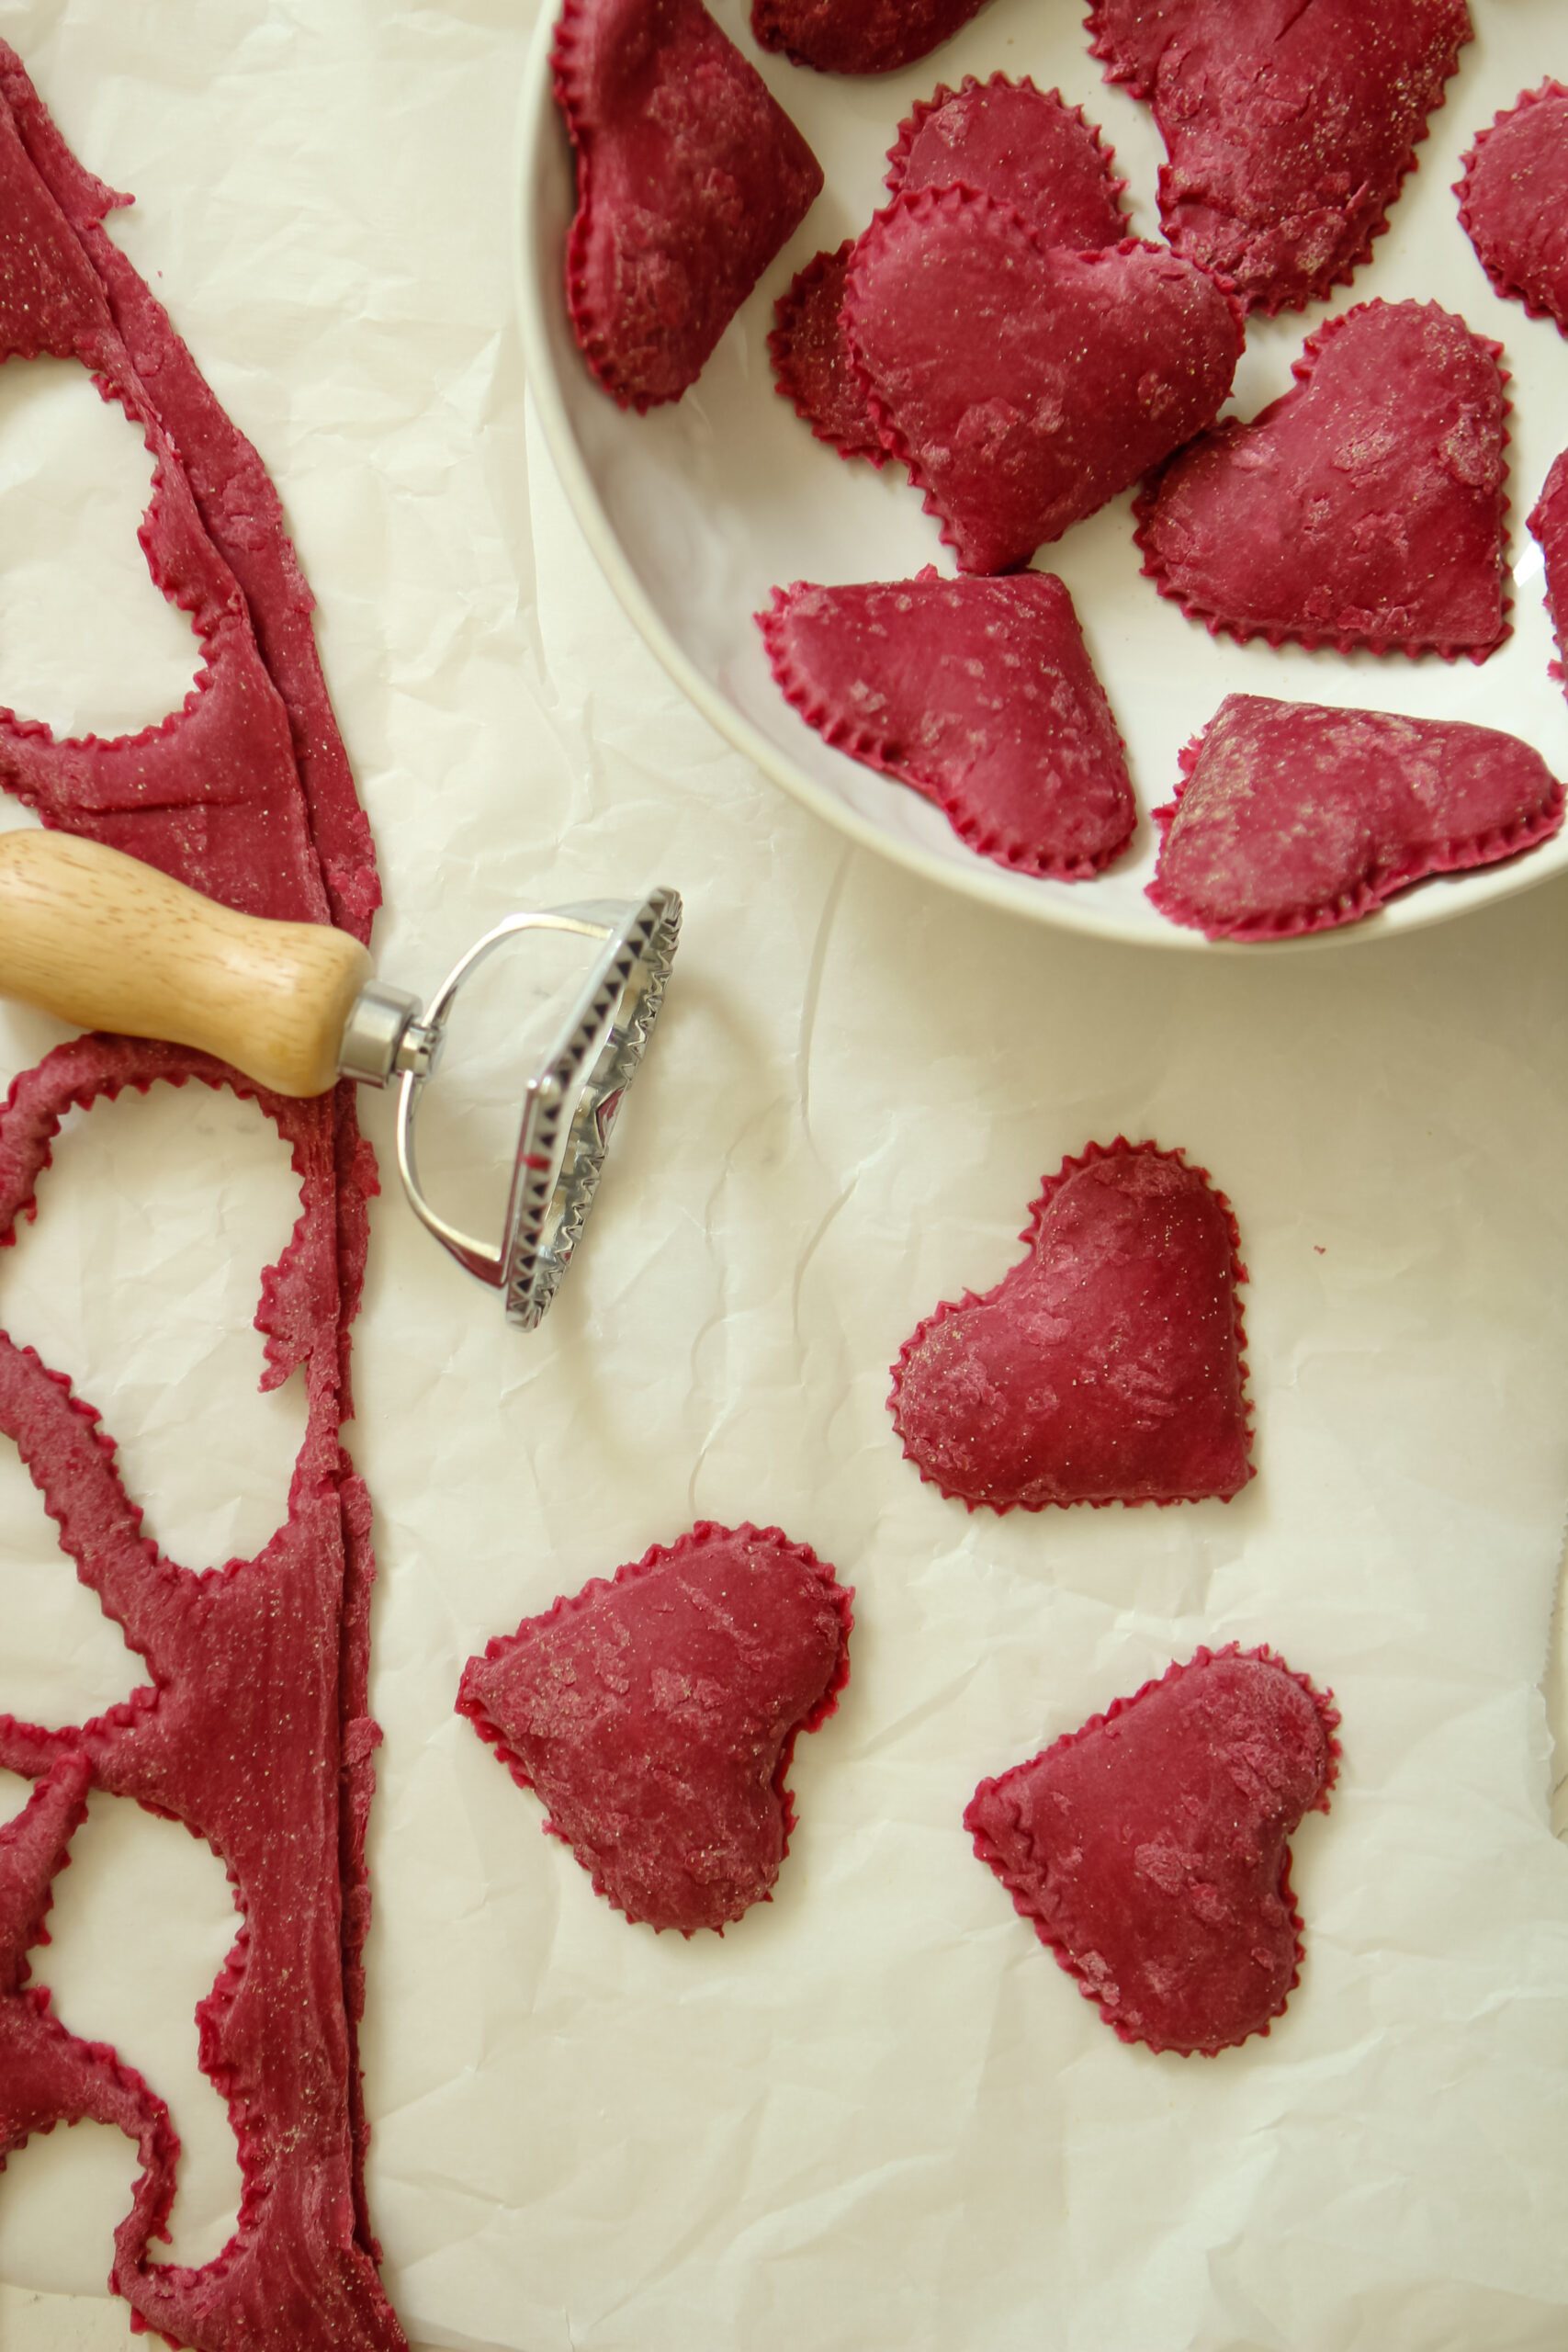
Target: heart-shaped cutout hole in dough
{"points": [[89, 643], [64, 1661], [140, 1280], [120, 1974]]}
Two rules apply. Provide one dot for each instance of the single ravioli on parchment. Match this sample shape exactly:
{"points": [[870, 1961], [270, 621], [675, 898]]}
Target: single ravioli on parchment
{"points": [[656, 1714], [1150, 1849], [1107, 1366]]}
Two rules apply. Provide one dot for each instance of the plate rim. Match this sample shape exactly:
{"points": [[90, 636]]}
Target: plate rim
{"points": [[537, 122]]}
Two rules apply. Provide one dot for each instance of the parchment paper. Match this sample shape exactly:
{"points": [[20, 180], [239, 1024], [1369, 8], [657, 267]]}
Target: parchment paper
{"points": [[876, 2114]]}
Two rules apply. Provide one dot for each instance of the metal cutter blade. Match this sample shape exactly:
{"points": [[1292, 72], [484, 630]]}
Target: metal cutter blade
{"points": [[570, 1103]]}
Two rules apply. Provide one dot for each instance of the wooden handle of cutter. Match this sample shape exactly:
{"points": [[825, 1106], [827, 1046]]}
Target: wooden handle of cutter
{"points": [[101, 940]]}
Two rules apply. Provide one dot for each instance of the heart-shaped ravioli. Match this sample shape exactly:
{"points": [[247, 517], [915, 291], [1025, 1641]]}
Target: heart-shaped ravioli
{"points": [[812, 368], [690, 177], [1290, 125], [656, 1716], [1150, 1851], [1107, 1365], [1365, 506], [1024, 145], [1549, 524], [1513, 202], [1023, 385], [1006, 139], [1294, 818], [978, 692], [858, 35]]}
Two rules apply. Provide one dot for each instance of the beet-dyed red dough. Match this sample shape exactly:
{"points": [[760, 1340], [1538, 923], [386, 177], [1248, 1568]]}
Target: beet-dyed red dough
{"points": [[1289, 127], [1365, 506], [254, 757], [1006, 139], [1294, 818], [1107, 1366], [1022, 385], [811, 360], [1513, 202], [249, 1715], [1024, 145], [657, 1713], [858, 35], [1150, 1850], [978, 692], [690, 178], [250, 1727], [1549, 523]]}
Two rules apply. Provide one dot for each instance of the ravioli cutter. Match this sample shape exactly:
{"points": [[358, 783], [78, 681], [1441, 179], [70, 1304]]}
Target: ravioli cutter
{"points": [[99, 939]]}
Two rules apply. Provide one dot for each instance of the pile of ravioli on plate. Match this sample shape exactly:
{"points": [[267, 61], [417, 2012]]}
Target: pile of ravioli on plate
{"points": [[996, 332]]}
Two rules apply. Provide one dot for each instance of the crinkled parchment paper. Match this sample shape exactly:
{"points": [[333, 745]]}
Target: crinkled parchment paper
{"points": [[874, 2115]]}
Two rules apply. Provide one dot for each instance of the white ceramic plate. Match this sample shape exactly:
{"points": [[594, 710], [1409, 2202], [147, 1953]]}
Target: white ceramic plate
{"points": [[698, 510]]}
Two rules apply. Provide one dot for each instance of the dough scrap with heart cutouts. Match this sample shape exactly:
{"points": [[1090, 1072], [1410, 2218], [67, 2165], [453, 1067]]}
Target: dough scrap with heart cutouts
{"points": [[251, 1727]]}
